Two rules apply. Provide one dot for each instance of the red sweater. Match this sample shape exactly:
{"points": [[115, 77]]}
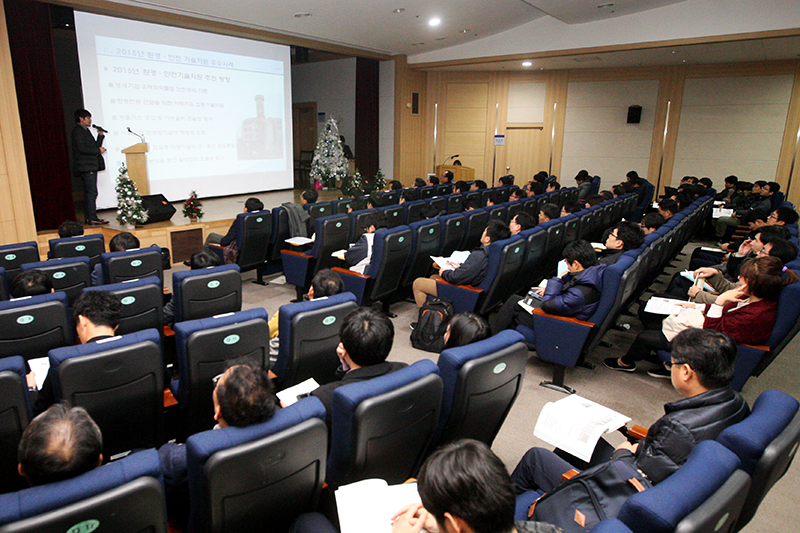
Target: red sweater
{"points": [[751, 324]]}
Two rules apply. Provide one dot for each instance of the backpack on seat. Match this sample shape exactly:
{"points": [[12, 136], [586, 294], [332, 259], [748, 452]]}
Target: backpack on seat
{"points": [[428, 334], [579, 504]]}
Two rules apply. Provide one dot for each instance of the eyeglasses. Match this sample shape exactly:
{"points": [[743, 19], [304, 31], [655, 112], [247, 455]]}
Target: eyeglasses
{"points": [[773, 215], [613, 235], [669, 364], [216, 378]]}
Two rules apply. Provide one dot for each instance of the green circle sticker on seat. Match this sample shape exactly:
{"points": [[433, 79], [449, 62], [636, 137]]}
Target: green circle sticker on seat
{"points": [[401, 239], [259, 219], [395, 214], [128, 300], [10, 257], [136, 263], [321, 209], [87, 526], [328, 320], [213, 284], [499, 367], [516, 250], [25, 319], [338, 224], [80, 248], [431, 231], [59, 275], [458, 223], [231, 339]]}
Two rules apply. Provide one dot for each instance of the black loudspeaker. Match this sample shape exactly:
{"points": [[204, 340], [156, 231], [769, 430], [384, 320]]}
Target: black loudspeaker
{"points": [[158, 208], [634, 114]]}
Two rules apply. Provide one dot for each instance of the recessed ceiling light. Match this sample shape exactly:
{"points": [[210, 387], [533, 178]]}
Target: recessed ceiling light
{"points": [[464, 31], [417, 44], [441, 38], [302, 15], [526, 64], [435, 21], [605, 5], [541, 68], [398, 10]]}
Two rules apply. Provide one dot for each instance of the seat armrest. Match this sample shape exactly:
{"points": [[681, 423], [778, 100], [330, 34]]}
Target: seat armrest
{"points": [[464, 297], [563, 318], [569, 474], [637, 432], [215, 245], [560, 339], [354, 282], [299, 254]]}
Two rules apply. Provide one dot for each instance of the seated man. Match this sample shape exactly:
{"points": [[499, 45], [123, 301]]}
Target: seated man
{"points": [[651, 222], [701, 371], [464, 487], [358, 256], [68, 228], [366, 339], [325, 283], [119, 243], [408, 195], [521, 222], [516, 194], [471, 272], [61, 443], [433, 180], [419, 182], [199, 260], [576, 293], [478, 185], [570, 208], [447, 176], [553, 186], [667, 208], [96, 315], [250, 206], [549, 212], [394, 185], [31, 283], [622, 237]]}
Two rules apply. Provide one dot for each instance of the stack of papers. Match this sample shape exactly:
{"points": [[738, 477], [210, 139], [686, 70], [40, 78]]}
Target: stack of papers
{"points": [[292, 394], [368, 506], [452, 262], [664, 306]]}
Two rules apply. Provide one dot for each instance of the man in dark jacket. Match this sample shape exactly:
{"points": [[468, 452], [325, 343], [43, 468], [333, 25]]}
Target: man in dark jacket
{"points": [[576, 293], [701, 371], [87, 160], [471, 272]]}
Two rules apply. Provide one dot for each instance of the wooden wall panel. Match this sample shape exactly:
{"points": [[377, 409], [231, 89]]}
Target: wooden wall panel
{"points": [[788, 173], [411, 132], [465, 124]]}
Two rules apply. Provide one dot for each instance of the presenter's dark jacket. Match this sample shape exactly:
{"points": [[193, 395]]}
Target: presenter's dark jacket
{"points": [[86, 150]]}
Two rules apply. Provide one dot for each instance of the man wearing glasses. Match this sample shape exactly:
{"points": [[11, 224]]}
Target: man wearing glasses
{"points": [[701, 370]]}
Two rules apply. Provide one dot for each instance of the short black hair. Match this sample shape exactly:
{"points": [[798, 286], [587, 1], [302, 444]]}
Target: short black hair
{"points": [[787, 215], [631, 235], [467, 480], [706, 182], [31, 283], [595, 199], [508, 179], [517, 194], [632, 174], [70, 228], [480, 184], [619, 190], [573, 207], [537, 188], [204, 259], [497, 230], [395, 185], [310, 195], [419, 182], [434, 180], [409, 195], [374, 218], [461, 186], [556, 185], [582, 252], [246, 396], [367, 335], [466, 328], [783, 250], [326, 282], [102, 308], [551, 211], [608, 195], [540, 177], [668, 204], [525, 220], [774, 186], [254, 204], [760, 183], [81, 113], [582, 176], [497, 197], [123, 241], [710, 353], [471, 203], [61, 443], [430, 211], [772, 232], [653, 220], [375, 199], [732, 179], [449, 175]]}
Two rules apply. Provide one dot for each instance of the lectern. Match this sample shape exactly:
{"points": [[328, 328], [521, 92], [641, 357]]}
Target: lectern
{"points": [[136, 161], [459, 173]]}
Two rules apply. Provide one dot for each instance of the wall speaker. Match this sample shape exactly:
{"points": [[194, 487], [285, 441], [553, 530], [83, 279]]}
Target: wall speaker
{"points": [[158, 207], [634, 114]]}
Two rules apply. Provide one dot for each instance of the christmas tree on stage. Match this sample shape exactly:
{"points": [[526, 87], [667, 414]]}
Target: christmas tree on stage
{"points": [[329, 163], [129, 204]]}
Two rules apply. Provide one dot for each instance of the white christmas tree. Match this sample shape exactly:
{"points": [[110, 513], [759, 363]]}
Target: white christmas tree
{"points": [[329, 163], [129, 204]]}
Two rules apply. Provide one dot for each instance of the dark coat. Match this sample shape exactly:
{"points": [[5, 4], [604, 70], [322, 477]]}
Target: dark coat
{"points": [[472, 271], [86, 150], [575, 295]]}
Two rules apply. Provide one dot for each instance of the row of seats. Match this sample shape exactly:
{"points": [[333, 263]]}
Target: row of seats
{"points": [[467, 395]]}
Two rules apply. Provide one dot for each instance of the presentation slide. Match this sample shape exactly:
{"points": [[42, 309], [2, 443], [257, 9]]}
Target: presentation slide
{"points": [[215, 111]]}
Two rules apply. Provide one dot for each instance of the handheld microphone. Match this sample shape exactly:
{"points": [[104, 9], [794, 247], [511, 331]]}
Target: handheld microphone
{"points": [[101, 129], [141, 137]]}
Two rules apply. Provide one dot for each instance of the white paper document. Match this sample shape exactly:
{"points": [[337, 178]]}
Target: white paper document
{"points": [[338, 254], [40, 366], [452, 262], [290, 395], [368, 506], [718, 212], [710, 249], [700, 282], [664, 306], [299, 241], [575, 424]]}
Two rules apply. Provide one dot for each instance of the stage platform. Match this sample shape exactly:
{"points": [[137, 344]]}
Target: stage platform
{"points": [[181, 236]]}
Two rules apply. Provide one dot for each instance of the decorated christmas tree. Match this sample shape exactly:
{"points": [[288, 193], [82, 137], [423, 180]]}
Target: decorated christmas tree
{"points": [[192, 207], [129, 204], [329, 163]]}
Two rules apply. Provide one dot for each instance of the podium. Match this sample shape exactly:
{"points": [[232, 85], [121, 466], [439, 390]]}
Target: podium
{"points": [[460, 173], [136, 161]]}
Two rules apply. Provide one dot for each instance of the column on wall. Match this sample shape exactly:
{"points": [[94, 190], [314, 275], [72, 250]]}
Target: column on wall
{"points": [[788, 174]]}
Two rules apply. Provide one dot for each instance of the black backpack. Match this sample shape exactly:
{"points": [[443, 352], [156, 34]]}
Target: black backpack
{"points": [[428, 334], [577, 505]]}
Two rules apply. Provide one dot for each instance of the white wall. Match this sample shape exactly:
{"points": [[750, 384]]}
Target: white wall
{"points": [[688, 19], [332, 84], [597, 136], [732, 126], [386, 119]]}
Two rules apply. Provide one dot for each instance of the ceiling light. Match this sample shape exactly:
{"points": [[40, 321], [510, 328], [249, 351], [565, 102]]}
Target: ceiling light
{"points": [[464, 31], [302, 15], [398, 10], [441, 38], [434, 21], [527, 64], [605, 5]]}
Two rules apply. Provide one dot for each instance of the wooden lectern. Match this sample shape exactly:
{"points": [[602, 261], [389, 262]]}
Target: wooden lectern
{"points": [[136, 161], [459, 173]]}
